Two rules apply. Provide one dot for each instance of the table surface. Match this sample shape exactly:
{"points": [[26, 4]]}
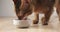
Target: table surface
{"points": [[6, 25]]}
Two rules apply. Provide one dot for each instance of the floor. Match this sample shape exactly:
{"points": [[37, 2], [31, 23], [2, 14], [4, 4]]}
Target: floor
{"points": [[6, 25]]}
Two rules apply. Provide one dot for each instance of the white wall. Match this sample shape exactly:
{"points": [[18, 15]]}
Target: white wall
{"points": [[7, 8]]}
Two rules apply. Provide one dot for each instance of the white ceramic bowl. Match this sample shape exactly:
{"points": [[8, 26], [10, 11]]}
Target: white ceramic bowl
{"points": [[22, 23]]}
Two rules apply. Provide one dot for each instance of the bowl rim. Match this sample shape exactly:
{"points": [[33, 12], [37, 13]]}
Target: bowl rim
{"points": [[23, 20]]}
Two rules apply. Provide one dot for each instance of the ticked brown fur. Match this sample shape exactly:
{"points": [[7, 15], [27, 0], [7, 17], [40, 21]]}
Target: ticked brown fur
{"points": [[24, 8]]}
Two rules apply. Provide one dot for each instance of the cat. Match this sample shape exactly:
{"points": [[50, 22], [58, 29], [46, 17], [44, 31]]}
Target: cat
{"points": [[24, 8]]}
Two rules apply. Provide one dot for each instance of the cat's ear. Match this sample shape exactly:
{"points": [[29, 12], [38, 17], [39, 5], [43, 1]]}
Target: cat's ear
{"points": [[14, 1]]}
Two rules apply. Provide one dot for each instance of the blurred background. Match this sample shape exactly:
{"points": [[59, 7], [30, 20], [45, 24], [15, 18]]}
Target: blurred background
{"points": [[7, 8]]}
